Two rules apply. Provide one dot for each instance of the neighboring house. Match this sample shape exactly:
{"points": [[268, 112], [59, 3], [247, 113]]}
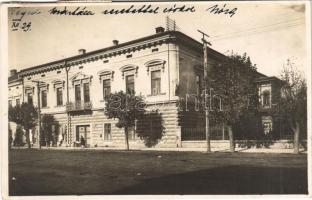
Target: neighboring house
{"points": [[163, 67], [15, 93], [269, 91]]}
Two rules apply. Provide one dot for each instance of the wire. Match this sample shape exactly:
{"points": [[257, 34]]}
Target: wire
{"points": [[258, 32], [259, 27]]}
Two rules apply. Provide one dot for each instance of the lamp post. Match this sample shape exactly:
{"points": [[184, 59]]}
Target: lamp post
{"points": [[205, 48]]}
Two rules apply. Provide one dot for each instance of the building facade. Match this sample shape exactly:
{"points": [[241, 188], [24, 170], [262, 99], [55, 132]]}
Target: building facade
{"points": [[163, 67]]}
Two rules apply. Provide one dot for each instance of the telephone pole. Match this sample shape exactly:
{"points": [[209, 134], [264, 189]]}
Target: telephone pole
{"points": [[39, 112], [205, 48]]}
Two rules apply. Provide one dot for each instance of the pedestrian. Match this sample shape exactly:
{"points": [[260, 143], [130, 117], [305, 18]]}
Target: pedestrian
{"points": [[82, 141]]}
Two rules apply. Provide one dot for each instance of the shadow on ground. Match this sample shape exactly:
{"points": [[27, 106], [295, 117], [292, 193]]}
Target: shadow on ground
{"points": [[226, 180], [45, 172]]}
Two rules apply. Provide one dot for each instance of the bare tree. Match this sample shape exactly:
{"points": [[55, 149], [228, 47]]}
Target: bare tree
{"points": [[293, 100]]}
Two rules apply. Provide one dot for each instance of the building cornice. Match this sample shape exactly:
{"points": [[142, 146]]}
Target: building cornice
{"points": [[121, 49]]}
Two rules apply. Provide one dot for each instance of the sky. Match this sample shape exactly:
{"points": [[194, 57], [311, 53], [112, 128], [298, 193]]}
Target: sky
{"points": [[269, 32]]}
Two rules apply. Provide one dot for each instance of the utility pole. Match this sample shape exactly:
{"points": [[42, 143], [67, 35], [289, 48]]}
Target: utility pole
{"points": [[67, 68], [39, 112], [205, 48]]}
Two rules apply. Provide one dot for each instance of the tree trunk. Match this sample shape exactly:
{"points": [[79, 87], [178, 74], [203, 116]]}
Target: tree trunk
{"points": [[127, 138], [296, 137], [231, 138], [27, 139]]}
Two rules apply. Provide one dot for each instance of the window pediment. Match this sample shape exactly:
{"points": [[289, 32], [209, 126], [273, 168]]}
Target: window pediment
{"points": [[129, 70], [80, 77], [58, 84], [106, 74], [155, 64], [43, 86], [29, 89]]}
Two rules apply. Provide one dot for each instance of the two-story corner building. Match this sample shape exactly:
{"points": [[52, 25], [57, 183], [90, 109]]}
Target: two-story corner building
{"points": [[163, 67]]}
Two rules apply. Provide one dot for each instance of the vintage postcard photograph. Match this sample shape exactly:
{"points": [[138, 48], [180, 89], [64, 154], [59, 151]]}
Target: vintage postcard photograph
{"points": [[156, 98]]}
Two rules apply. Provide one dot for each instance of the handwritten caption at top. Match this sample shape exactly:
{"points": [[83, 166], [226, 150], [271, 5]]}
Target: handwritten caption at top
{"points": [[143, 9], [20, 21]]}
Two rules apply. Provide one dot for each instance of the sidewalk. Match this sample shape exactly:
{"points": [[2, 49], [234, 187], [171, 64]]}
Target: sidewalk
{"points": [[244, 150]]}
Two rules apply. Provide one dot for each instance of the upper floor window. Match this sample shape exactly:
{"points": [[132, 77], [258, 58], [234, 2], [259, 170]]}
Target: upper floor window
{"points": [[155, 82], [106, 76], [130, 84], [81, 82], [106, 88], [86, 92], [18, 102], [58, 86], [59, 96], [43, 98], [266, 98], [30, 98], [77, 93]]}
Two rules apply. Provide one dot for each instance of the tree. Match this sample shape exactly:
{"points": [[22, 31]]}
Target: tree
{"points": [[293, 100], [19, 135], [127, 108], [24, 115], [10, 137], [234, 82], [49, 129]]}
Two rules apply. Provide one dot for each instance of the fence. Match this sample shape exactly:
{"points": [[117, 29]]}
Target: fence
{"points": [[217, 132], [220, 132]]}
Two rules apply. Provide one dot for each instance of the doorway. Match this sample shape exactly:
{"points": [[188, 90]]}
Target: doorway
{"points": [[83, 131]]}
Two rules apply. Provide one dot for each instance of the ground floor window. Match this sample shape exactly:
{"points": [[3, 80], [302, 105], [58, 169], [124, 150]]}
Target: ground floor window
{"points": [[131, 133], [107, 131], [267, 124]]}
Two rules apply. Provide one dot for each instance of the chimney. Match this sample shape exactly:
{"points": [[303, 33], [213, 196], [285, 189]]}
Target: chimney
{"points": [[115, 42], [13, 72], [81, 51], [160, 29]]}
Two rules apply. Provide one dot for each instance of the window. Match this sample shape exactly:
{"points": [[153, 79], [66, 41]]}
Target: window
{"points": [[86, 92], [131, 133], [43, 98], [29, 98], [107, 132], [198, 85], [10, 102], [18, 102], [77, 93], [266, 99], [155, 76], [106, 88], [130, 84], [59, 97]]}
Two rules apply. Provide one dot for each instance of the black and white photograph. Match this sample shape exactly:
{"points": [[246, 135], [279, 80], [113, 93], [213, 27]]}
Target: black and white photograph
{"points": [[156, 98]]}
